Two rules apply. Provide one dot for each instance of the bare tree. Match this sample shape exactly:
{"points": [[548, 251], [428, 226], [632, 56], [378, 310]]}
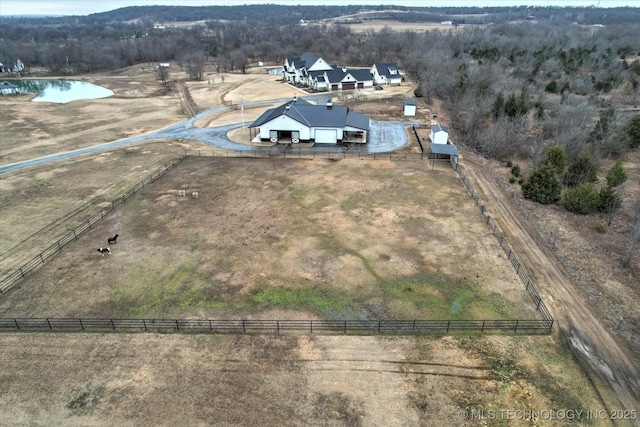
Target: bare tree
{"points": [[163, 74], [633, 236]]}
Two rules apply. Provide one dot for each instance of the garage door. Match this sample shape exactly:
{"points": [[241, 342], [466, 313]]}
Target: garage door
{"points": [[347, 86], [326, 136]]}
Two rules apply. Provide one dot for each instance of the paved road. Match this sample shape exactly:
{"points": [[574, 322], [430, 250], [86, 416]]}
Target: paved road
{"points": [[383, 137]]}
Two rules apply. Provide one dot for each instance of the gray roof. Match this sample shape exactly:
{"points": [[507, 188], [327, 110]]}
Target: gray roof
{"points": [[335, 75], [438, 128], [7, 85], [443, 149], [386, 68], [361, 74], [315, 115], [357, 120]]}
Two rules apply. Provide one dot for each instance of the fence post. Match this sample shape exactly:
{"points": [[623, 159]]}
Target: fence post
{"points": [[210, 326], [243, 327], [144, 322], [516, 328], [538, 306], [482, 329], [22, 272], [448, 323], [278, 326], [177, 326], [16, 322], [345, 326], [113, 325], [81, 325], [49, 323], [379, 324]]}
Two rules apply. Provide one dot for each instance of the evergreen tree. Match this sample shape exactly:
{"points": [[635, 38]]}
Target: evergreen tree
{"points": [[542, 186], [610, 202], [633, 131], [581, 171], [556, 157], [582, 200], [617, 175]]}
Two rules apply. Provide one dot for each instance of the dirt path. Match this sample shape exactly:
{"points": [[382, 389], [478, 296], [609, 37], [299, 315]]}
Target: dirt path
{"points": [[576, 325], [186, 102]]}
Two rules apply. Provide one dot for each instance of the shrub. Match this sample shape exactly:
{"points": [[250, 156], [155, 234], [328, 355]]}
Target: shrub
{"points": [[633, 131], [542, 186], [509, 163], [552, 87], [610, 200], [617, 175], [556, 157], [515, 170], [512, 179], [580, 172], [582, 200]]}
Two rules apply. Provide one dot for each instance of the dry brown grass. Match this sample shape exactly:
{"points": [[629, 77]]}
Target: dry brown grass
{"points": [[151, 379]]}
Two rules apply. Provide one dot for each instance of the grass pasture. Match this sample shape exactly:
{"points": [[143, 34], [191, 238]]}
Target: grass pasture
{"points": [[283, 238]]}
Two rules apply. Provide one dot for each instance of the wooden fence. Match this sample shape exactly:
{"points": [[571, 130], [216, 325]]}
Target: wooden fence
{"points": [[9, 281], [367, 327]]}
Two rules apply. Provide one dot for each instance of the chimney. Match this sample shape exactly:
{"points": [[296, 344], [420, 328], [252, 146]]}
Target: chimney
{"points": [[295, 98], [329, 104], [287, 107]]}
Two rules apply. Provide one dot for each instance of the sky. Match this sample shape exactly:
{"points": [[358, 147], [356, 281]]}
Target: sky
{"points": [[86, 7]]}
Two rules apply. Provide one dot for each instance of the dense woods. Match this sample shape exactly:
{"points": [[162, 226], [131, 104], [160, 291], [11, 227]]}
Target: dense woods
{"points": [[527, 80]]}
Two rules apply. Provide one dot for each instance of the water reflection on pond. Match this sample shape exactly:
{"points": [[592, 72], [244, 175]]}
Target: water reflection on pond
{"points": [[61, 91]]}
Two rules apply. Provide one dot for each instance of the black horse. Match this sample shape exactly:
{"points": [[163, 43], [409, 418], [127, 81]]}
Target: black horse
{"points": [[112, 240]]}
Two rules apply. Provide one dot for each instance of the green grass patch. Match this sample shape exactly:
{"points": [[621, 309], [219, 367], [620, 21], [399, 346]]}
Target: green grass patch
{"points": [[433, 296], [320, 301]]}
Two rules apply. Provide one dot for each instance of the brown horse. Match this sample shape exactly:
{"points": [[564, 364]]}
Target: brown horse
{"points": [[104, 251]]}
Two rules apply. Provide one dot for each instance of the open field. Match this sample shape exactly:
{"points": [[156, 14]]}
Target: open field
{"points": [[351, 239], [151, 379]]}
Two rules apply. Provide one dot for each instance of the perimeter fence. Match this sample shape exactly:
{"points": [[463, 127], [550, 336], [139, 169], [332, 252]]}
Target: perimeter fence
{"points": [[365, 327], [523, 326], [9, 281]]}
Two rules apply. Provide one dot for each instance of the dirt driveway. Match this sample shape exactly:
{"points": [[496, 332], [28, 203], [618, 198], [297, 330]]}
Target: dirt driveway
{"points": [[576, 325]]}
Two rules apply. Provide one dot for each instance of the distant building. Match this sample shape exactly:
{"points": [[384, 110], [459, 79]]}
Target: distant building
{"points": [[316, 73], [386, 74], [446, 22]]}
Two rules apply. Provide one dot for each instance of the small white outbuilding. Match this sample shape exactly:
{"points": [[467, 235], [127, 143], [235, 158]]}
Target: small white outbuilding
{"points": [[409, 107], [439, 135]]}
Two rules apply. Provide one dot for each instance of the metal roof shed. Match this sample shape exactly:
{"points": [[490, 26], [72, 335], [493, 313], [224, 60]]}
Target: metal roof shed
{"points": [[444, 152]]}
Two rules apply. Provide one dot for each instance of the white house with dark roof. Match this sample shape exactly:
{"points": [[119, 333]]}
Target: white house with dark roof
{"points": [[296, 70], [386, 74], [318, 74], [301, 121]]}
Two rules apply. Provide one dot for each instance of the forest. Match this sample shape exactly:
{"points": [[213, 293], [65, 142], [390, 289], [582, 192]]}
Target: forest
{"points": [[528, 80]]}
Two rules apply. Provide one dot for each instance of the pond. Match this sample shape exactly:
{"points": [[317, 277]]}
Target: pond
{"points": [[61, 91]]}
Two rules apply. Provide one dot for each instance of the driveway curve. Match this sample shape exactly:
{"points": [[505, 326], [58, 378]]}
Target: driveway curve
{"points": [[383, 137]]}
